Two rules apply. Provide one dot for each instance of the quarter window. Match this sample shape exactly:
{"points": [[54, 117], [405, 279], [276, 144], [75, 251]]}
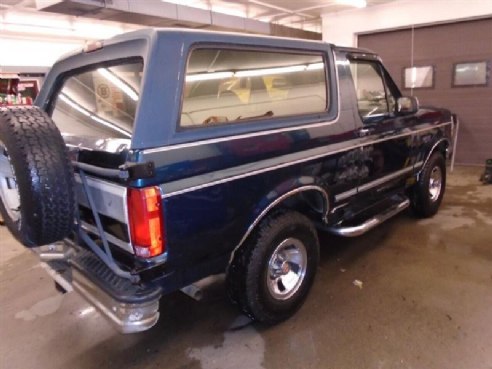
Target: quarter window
{"points": [[230, 86], [100, 102]]}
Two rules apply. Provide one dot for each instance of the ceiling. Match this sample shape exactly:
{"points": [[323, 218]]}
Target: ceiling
{"points": [[303, 14]]}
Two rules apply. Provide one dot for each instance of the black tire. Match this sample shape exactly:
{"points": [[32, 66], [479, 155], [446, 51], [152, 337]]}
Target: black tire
{"points": [[426, 202], [40, 174], [249, 275]]}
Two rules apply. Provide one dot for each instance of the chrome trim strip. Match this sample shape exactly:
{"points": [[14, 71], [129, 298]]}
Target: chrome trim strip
{"points": [[437, 143], [344, 195], [238, 137], [369, 185], [277, 201], [369, 223], [334, 209], [387, 178], [260, 133], [111, 239], [286, 163]]}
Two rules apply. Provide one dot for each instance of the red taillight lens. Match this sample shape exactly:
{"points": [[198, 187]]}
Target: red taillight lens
{"points": [[146, 221]]}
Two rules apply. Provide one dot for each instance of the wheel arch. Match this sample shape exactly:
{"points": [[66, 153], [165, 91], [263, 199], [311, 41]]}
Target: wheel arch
{"points": [[277, 198], [441, 145]]}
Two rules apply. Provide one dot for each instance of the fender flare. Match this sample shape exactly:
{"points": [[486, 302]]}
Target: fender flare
{"points": [[431, 151], [276, 202]]}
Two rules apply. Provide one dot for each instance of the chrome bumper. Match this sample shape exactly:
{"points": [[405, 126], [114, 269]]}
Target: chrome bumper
{"points": [[69, 268], [126, 317]]}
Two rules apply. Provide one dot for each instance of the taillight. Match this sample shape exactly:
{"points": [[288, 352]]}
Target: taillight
{"points": [[146, 221]]}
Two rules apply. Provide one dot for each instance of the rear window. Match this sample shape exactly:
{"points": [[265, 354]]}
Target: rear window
{"points": [[100, 102], [226, 86]]}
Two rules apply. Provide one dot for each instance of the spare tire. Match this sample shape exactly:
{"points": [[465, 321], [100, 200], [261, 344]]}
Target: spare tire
{"points": [[37, 200]]}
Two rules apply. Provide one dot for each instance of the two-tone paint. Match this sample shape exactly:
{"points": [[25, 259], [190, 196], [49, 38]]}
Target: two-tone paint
{"points": [[218, 182]]}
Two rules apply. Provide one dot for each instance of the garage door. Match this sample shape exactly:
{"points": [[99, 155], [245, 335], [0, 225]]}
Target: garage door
{"points": [[459, 48]]}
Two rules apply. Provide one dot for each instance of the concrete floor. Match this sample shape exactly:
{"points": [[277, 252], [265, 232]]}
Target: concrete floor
{"points": [[425, 302]]}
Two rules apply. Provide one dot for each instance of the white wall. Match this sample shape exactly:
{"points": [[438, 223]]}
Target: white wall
{"points": [[342, 28]]}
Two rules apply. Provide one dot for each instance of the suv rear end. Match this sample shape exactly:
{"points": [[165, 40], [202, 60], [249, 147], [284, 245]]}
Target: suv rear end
{"points": [[94, 97]]}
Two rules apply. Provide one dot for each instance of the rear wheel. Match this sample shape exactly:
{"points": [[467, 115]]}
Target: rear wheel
{"points": [[37, 201], [428, 192], [273, 272]]}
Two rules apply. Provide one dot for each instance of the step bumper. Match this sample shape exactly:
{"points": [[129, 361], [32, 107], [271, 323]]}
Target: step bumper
{"points": [[129, 307]]}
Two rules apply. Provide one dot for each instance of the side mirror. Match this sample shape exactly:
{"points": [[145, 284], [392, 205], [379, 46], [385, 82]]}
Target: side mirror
{"points": [[407, 105]]}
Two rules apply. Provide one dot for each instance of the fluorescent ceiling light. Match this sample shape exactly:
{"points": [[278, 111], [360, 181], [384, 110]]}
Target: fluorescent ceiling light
{"points": [[315, 66], [61, 26], [354, 3], [236, 10], [191, 3], [74, 105], [96, 31], [267, 71], [130, 92], [36, 20], [253, 72], [208, 76], [110, 125], [229, 11], [68, 100]]}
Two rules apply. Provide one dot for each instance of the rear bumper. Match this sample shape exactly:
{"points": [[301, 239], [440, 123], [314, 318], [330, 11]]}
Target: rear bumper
{"points": [[126, 317], [129, 307]]}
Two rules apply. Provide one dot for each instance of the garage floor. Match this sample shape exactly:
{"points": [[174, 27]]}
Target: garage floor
{"points": [[424, 301]]}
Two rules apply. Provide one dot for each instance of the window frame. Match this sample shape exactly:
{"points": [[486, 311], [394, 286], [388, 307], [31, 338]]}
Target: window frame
{"points": [[388, 85], [268, 123], [487, 74]]}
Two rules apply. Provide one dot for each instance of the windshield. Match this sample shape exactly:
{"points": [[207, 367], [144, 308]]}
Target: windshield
{"points": [[100, 102]]}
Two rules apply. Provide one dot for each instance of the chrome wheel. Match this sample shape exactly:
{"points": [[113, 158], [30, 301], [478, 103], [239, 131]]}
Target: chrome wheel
{"points": [[286, 269], [435, 183], [9, 192]]}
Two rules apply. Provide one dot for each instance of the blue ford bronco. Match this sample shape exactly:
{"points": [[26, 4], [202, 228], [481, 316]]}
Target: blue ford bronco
{"points": [[160, 157]]}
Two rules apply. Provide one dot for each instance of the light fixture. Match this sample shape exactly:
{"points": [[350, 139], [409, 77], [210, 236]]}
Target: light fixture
{"points": [[229, 11], [253, 72], [60, 26], [315, 66], [267, 71], [208, 76], [354, 3], [74, 105], [191, 3], [69, 101], [110, 125], [118, 82]]}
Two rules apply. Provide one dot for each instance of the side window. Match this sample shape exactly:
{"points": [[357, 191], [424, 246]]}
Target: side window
{"points": [[100, 102], [226, 86], [372, 97]]}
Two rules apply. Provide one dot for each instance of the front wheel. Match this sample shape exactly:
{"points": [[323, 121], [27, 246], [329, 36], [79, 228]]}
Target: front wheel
{"points": [[272, 274], [428, 192]]}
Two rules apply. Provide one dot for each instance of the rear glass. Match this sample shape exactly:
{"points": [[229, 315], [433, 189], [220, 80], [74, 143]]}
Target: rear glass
{"points": [[100, 102], [228, 86]]}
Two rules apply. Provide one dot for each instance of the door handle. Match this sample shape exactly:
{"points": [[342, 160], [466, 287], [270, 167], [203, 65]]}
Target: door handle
{"points": [[363, 132]]}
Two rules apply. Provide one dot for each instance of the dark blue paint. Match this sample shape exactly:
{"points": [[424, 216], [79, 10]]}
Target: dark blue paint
{"points": [[203, 226]]}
